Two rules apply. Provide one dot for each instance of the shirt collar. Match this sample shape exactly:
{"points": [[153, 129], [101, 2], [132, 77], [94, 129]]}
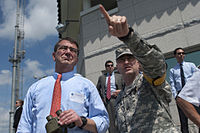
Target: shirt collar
{"points": [[65, 76], [17, 107], [109, 74], [181, 63]]}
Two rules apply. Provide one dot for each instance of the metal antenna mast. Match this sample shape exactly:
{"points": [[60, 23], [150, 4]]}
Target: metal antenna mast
{"points": [[15, 59]]}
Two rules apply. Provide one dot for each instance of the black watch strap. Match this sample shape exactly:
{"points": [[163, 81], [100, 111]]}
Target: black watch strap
{"points": [[126, 37], [84, 120]]}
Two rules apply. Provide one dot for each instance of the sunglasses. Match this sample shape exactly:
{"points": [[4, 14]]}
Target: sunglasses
{"points": [[109, 65], [181, 53]]}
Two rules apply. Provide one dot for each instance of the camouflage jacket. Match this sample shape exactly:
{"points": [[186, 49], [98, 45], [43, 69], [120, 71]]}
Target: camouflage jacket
{"points": [[142, 107]]}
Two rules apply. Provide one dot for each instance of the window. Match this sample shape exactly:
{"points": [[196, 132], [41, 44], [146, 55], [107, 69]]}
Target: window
{"points": [[190, 57], [108, 4]]}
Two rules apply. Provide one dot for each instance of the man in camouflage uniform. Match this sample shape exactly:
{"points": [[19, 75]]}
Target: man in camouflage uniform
{"points": [[143, 105]]}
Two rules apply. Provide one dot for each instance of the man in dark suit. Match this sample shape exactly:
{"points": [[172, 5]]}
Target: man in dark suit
{"points": [[115, 82], [18, 112]]}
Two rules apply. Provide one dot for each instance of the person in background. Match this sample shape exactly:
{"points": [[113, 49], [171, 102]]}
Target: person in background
{"points": [[77, 97], [143, 105], [190, 96], [18, 112], [109, 85], [178, 76]]}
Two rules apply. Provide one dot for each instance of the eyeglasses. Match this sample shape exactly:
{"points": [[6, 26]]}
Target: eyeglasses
{"points": [[17, 102], [74, 50], [181, 53], [109, 65]]}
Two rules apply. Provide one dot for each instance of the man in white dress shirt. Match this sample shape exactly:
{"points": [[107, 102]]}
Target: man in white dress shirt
{"points": [[189, 96]]}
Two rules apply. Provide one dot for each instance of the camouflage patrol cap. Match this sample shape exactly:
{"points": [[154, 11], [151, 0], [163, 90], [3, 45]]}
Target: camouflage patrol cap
{"points": [[122, 51]]}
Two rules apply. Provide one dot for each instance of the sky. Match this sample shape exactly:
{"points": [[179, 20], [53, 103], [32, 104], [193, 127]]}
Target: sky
{"points": [[40, 20]]}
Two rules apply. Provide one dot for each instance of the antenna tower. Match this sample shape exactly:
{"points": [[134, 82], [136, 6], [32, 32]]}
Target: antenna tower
{"points": [[15, 59]]}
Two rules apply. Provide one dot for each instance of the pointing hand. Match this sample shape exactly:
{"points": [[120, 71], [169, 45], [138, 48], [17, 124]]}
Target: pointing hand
{"points": [[117, 25]]}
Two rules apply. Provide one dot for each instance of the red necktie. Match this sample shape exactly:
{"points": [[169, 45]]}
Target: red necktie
{"points": [[56, 100], [108, 92]]}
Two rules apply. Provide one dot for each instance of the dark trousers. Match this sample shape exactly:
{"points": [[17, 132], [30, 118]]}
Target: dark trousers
{"points": [[111, 112], [184, 119]]}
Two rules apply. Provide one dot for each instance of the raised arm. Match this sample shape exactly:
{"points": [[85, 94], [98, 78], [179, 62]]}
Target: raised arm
{"points": [[117, 25], [150, 56]]}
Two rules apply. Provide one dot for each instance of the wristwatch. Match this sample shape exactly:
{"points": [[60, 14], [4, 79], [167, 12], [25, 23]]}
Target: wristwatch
{"points": [[84, 120], [127, 36]]}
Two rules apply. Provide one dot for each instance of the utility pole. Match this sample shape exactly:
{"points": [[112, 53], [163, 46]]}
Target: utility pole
{"points": [[15, 59]]}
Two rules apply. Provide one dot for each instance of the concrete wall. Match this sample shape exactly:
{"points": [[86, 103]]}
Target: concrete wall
{"points": [[70, 12], [167, 23]]}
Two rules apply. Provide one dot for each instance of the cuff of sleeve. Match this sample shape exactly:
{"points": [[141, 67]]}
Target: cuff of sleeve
{"points": [[102, 126], [193, 100], [127, 36]]}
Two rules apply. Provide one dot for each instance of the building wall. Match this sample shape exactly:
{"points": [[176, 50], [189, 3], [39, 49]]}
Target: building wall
{"points": [[70, 13], [167, 23]]}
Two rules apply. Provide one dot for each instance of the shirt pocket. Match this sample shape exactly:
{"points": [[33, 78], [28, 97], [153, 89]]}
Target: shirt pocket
{"points": [[77, 102]]}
